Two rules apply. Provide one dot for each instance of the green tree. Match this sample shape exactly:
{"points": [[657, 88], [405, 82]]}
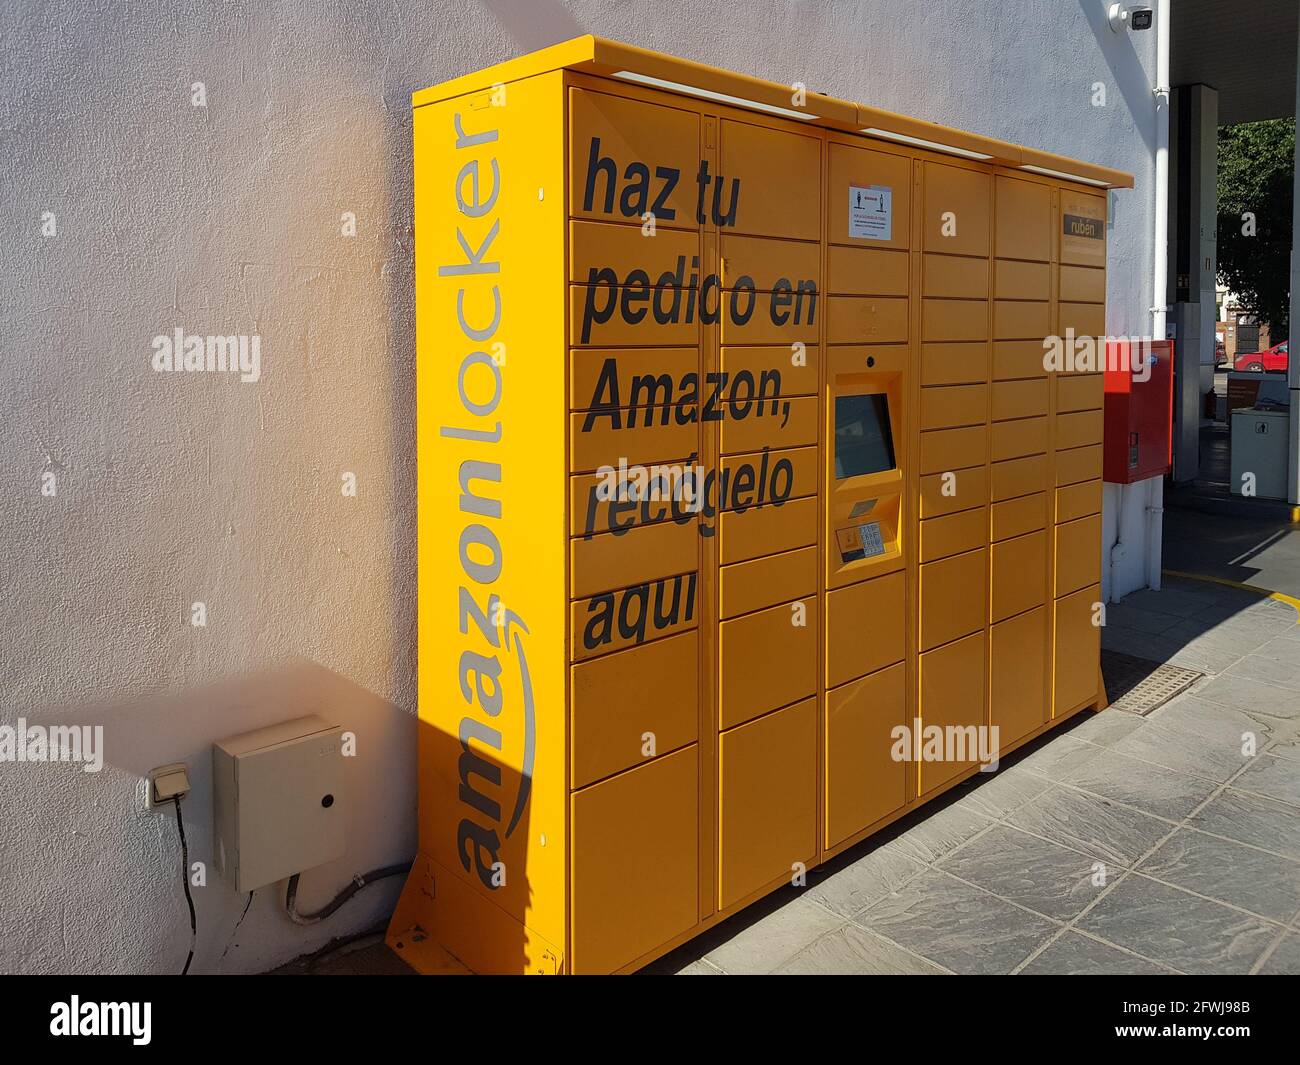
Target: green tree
{"points": [[1256, 170]]}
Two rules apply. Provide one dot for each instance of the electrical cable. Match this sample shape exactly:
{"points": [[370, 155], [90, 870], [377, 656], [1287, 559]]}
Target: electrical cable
{"points": [[358, 882], [185, 882], [235, 931]]}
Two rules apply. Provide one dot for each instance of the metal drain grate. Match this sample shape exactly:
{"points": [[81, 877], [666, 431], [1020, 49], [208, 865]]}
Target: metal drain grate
{"points": [[1138, 686]]}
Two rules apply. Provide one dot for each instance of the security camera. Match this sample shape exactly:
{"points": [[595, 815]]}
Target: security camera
{"points": [[1137, 18]]}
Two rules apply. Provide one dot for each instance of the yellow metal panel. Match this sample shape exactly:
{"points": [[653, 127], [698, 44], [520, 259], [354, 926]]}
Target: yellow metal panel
{"points": [[634, 852], [1078, 500], [767, 423], [1024, 219], [1021, 281], [953, 594], [491, 625], [754, 479], [865, 320], [1078, 554], [599, 377], [635, 434], [777, 201], [1075, 650], [766, 530], [1019, 320], [763, 582], [863, 781], [956, 219], [854, 167], [946, 449], [1011, 440], [852, 614], [954, 320], [954, 277], [766, 660], [1018, 358], [767, 799], [628, 159], [1078, 464], [777, 371], [953, 534], [1080, 392], [601, 253], [632, 616], [954, 364], [764, 263], [952, 697], [1086, 319], [1018, 477], [1019, 399], [612, 718], [953, 406], [611, 560], [1014, 517], [1083, 284], [953, 490], [1017, 665], [1080, 429], [866, 271], [1018, 568], [1082, 228]]}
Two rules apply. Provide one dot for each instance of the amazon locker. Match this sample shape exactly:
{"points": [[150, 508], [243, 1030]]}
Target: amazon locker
{"points": [[744, 465]]}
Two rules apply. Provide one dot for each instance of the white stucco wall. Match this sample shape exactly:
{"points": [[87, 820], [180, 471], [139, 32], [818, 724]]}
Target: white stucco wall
{"points": [[176, 488]]}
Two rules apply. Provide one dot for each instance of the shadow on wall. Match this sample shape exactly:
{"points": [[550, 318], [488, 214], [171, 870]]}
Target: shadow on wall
{"points": [[540, 24], [109, 897], [1125, 66]]}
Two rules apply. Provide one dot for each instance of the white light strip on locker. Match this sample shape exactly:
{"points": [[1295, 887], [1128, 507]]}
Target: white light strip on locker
{"points": [[707, 94], [1061, 174], [917, 142]]}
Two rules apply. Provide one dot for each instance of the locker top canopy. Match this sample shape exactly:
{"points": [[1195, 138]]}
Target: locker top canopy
{"points": [[605, 58]]}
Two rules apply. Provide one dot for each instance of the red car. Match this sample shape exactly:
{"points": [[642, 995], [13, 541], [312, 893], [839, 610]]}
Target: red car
{"points": [[1272, 359]]}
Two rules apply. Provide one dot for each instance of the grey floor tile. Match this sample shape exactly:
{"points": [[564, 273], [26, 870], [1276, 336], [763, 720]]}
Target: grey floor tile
{"points": [[1150, 788], [1079, 955], [1187, 933], [701, 967], [1281, 648], [1184, 751], [996, 796], [853, 951], [1106, 728], [774, 939], [1202, 657], [1247, 693], [1024, 869], [957, 926], [1173, 602], [1273, 777], [1230, 872], [853, 888], [1285, 959], [1139, 619], [1113, 833], [1227, 725], [932, 838], [1286, 748], [1061, 755], [1264, 823], [1284, 673]]}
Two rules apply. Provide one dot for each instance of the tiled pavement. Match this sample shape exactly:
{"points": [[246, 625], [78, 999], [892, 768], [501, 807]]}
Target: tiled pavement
{"points": [[1119, 844]]}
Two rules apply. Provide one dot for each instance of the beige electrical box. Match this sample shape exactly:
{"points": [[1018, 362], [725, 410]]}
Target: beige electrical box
{"points": [[277, 801]]}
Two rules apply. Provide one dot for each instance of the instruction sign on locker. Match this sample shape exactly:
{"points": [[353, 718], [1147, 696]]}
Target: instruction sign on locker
{"points": [[696, 457]]}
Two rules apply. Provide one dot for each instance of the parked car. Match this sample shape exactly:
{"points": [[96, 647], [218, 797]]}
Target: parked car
{"points": [[1273, 358], [1220, 353]]}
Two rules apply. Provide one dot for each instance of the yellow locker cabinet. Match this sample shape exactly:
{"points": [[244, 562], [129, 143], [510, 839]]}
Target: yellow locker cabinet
{"points": [[751, 513]]}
